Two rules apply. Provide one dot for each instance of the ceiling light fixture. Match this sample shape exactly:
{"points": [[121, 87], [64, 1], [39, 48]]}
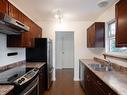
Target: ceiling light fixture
{"points": [[59, 15], [103, 3]]}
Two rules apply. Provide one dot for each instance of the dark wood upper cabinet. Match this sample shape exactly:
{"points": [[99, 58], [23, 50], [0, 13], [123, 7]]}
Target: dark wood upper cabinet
{"points": [[121, 23], [96, 35], [26, 39], [15, 13], [4, 6]]}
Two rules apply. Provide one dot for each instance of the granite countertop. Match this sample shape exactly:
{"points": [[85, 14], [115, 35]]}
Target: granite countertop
{"points": [[35, 64], [5, 89], [117, 81]]}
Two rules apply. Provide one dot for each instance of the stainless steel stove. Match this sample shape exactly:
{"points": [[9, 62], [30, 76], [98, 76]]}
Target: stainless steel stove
{"points": [[26, 82]]}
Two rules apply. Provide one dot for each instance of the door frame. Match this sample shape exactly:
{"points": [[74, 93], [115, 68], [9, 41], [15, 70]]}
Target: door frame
{"points": [[56, 46]]}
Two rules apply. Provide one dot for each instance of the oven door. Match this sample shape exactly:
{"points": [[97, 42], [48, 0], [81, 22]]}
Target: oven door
{"points": [[32, 88]]}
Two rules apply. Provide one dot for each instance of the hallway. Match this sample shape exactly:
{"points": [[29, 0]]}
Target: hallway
{"points": [[64, 84]]}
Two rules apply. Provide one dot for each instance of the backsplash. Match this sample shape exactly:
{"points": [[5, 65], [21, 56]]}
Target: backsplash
{"points": [[4, 59]]}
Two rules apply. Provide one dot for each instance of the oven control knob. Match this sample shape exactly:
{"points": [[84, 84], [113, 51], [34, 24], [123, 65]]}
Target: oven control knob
{"points": [[35, 69], [19, 81], [22, 79]]}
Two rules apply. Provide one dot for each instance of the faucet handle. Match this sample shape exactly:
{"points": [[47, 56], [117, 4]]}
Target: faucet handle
{"points": [[108, 62]]}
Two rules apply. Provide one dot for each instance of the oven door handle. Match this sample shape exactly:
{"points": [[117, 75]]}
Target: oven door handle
{"points": [[31, 89]]}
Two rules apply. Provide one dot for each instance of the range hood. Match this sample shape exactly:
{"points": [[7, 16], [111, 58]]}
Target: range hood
{"points": [[11, 26]]}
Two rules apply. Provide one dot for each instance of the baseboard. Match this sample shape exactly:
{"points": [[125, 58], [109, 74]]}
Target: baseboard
{"points": [[54, 79], [76, 79]]}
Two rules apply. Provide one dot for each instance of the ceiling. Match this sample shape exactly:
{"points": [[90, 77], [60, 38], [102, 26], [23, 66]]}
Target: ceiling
{"points": [[73, 10]]}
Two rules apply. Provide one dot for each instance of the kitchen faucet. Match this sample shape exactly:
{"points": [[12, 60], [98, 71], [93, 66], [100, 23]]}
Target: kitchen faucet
{"points": [[109, 62]]}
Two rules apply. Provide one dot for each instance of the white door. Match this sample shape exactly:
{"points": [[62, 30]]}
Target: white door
{"points": [[64, 50]]}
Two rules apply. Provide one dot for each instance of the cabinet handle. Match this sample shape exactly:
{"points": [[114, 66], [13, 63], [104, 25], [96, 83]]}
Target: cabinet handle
{"points": [[29, 43], [88, 78], [100, 83]]}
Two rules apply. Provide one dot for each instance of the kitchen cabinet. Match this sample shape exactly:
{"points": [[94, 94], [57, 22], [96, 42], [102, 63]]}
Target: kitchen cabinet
{"points": [[96, 35], [14, 12], [26, 39], [4, 6], [97, 86], [42, 79], [93, 85], [121, 23]]}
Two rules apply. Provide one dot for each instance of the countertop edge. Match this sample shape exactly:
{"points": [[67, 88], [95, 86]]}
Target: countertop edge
{"points": [[5, 89]]}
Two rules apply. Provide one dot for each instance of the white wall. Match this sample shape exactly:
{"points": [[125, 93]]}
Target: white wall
{"points": [[106, 17], [80, 36], [4, 59], [80, 45]]}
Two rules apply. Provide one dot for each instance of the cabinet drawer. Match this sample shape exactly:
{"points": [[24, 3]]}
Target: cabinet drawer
{"points": [[101, 85]]}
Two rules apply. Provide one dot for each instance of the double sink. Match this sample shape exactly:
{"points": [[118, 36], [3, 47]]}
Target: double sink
{"points": [[101, 67]]}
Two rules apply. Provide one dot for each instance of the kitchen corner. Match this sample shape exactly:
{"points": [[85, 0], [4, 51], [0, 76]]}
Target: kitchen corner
{"points": [[114, 80], [16, 72]]}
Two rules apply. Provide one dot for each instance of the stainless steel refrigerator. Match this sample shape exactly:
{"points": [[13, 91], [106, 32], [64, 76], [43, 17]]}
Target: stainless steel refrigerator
{"points": [[42, 53]]}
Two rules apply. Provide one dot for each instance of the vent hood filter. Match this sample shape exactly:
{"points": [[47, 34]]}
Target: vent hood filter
{"points": [[11, 26]]}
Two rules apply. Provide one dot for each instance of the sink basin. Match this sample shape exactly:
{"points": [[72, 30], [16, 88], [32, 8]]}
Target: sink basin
{"points": [[100, 67]]}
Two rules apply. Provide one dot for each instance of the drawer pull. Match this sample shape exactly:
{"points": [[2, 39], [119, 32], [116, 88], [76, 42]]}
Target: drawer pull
{"points": [[100, 83]]}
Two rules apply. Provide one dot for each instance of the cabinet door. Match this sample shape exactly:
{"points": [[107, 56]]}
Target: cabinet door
{"points": [[121, 23], [39, 32], [100, 34], [88, 38], [42, 79], [91, 36], [96, 35], [89, 84], [27, 36], [12, 11], [4, 6], [15, 13]]}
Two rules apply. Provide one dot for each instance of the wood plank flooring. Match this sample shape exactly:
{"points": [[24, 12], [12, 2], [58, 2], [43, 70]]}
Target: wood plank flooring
{"points": [[64, 84]]}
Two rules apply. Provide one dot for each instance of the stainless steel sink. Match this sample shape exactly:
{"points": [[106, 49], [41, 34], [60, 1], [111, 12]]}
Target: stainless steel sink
{"points": [[100, 67]]}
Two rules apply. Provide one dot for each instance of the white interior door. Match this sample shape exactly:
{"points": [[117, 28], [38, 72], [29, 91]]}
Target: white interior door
{"points": [[64, 50]]}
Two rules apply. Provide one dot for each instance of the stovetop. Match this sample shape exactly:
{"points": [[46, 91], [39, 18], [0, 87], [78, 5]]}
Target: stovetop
{"points": [[10, 75]]}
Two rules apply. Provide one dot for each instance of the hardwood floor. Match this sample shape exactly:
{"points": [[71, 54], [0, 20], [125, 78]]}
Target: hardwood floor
{"points": [[64, 84]]}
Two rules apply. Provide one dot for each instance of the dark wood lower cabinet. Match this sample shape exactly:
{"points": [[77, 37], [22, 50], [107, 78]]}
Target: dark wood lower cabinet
{"points": [[92, 84], [42, 79]]}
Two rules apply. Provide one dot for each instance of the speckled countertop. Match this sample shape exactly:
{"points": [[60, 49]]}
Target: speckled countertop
{"points": [[5, 89], [117, 81], [35, 64]]}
